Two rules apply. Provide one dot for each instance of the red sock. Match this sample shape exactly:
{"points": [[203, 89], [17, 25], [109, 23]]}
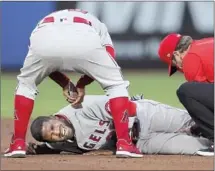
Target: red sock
{"points": [[118, 107], [132, 109], [23, 109]]}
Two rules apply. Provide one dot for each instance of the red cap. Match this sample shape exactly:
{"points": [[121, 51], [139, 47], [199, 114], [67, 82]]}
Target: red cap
{"points": [[166, 49]]}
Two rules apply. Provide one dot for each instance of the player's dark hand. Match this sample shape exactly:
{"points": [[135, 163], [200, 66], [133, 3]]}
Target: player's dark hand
{"points": [[80, 97], [31, 148], [70, 92]]}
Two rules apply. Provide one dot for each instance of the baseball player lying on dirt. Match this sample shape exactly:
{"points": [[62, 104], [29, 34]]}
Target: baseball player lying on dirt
{"points": [[155, 127]]}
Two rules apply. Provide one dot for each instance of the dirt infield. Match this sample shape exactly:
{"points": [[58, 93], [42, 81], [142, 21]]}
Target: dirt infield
{"points": [[97, 162]]}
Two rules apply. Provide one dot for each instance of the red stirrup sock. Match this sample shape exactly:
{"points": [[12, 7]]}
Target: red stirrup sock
{"points": [[118, 107], [23, 109]]}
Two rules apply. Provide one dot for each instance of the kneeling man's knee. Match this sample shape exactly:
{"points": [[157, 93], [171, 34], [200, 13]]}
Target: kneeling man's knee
{"points": [[184, 89]]}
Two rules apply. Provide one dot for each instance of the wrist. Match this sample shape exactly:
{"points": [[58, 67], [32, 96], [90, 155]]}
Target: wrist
{"points": [[83, 81], [66, 85]]}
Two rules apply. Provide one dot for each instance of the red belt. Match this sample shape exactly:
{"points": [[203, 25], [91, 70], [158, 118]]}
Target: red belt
{"points": [[75, 20]]}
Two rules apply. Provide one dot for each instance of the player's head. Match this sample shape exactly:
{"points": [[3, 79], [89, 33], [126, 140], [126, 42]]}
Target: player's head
{"points": [[51, 129], [172, 49]]}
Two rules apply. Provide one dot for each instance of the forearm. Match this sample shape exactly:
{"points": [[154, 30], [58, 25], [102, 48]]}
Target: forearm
{"points": [[34, 149], [54, 148], [84, 81], [60, 78]]}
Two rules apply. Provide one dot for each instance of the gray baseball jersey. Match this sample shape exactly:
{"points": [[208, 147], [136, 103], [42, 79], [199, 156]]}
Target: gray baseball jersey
{"points": [[162, 127], [70, 40], [93, 123]]}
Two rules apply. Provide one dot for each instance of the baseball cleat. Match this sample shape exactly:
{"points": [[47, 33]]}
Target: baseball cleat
{"points": [[17, 149], [206, 152], [127, 150]]}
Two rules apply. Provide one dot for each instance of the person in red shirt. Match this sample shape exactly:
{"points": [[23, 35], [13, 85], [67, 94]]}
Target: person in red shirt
{"points": [[195, 59]]}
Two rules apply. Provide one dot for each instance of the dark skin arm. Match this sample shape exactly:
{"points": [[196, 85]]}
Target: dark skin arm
{"points": [[84, 81], [57, 148], [63, 81], [34, 149], [60, 78], [80, 87]]}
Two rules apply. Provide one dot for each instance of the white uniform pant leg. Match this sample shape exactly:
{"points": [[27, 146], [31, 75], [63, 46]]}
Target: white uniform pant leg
{"points": [[171, 143], [35, 69]]}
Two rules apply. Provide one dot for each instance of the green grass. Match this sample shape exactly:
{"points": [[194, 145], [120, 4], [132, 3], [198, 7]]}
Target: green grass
{"points": [[155, 85]]}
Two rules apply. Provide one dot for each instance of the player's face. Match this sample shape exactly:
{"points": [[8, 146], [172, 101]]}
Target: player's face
{"points": [[56, 130], [177, 59]]}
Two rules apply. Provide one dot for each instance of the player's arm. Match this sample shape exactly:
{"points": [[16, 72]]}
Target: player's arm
{"points": [[54, 148], [84, 81], [192, 69], [60, 78], [63, 81], [80, 89], [33, 149]]}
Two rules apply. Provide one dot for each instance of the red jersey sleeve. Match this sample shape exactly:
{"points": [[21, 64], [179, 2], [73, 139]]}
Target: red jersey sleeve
{"points": [[192, 68]]}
